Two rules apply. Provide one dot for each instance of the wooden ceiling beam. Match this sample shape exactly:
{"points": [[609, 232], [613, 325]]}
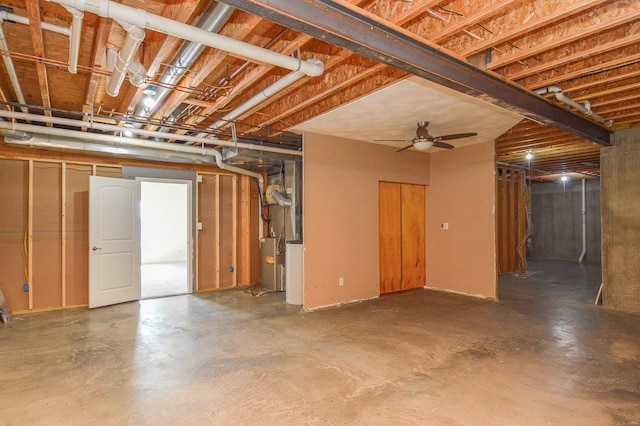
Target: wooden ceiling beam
{"points": [[98, 59], [517, 28], [568, 32], [577, 56], [581, 72], [33, 12], [485, 12]]}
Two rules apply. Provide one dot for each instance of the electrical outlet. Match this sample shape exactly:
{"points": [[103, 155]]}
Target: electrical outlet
{"points": [[341, 281]]}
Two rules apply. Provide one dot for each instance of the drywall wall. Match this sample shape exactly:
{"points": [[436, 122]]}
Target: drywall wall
{"points": [[164, 213], [620, 197], [557, 220], [461, 194], [340, 211]]}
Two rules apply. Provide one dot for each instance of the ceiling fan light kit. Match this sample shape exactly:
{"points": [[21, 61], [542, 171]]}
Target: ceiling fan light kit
{"points": [[422, 145], [423, 140]]}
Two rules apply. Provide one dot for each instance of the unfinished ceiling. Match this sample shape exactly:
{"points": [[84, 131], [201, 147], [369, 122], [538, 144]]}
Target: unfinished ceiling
{"points": [[589, 49]]}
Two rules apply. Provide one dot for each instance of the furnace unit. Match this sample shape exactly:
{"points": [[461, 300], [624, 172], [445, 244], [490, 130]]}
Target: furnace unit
{"points": [[272, 265]]}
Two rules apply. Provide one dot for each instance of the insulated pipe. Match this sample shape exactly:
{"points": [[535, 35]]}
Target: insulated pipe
{"points": [[11, 70], [212, 20], [135, 36], [584, 220], [276, 87], [143, 19], [150, 133], [74, 39], [6, 16], [583, 108]]}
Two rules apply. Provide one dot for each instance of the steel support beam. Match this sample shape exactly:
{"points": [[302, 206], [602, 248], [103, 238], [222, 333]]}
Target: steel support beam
{"points": [[345, 25]]}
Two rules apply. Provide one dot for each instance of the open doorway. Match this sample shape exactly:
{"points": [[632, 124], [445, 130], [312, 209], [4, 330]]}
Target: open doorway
{"points": [[165, 231], [548, 238]]}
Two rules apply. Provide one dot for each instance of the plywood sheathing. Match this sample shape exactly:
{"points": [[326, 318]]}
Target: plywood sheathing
{"points": [[47, 249], [77, 234], [13, 227], [516, 21], [227, 231], [575, 30]]}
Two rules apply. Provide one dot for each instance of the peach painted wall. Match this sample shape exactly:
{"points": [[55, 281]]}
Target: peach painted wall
{"points": [[462, 194], [341, 214]]}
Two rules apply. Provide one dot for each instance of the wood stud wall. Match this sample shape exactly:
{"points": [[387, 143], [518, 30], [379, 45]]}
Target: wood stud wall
{"points": [[511, 215], [44, 231]]}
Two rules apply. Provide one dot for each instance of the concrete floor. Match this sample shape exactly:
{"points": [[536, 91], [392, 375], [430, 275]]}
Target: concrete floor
{"points": [[416, 358]]}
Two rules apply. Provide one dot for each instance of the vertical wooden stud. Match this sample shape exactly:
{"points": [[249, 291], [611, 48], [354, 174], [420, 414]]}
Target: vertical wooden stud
{"points": [[197, 239], [30, 235], [511, 223], [217, 230], [63, 232], [234, 231], [244, 207], [503, 226]]}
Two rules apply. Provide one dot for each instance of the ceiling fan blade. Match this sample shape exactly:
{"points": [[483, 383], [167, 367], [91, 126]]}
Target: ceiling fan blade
{"points": [[406, 147], [456, 136], [391, 140], [437, 144]]}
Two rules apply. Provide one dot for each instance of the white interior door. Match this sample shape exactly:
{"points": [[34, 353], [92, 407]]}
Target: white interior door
{"points": [[114, 241]]}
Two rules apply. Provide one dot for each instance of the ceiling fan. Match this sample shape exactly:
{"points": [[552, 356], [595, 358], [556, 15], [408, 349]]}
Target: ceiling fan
{"points": [[424, 140]]}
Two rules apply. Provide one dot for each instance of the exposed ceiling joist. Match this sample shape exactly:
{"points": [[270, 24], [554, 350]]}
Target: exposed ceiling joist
{"points": [[344, 25]]}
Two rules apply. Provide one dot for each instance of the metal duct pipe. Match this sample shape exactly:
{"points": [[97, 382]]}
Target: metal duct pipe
{"points": [[143, 19], [211, 20], [74, 39], [584, 220], [11, 70], [150, 133], [280, 198], [135, 36], [6, 16], [276, 87], [583, 108]]}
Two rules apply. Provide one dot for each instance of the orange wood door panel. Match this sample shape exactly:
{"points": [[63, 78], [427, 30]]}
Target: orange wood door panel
{"points": [[413, 237], [390, 237]]}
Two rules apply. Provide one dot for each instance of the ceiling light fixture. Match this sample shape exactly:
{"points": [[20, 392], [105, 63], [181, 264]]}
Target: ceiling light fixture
{"points": [[564, 177], [128, 125], [150, 90], [422, 145], [529, 155]]}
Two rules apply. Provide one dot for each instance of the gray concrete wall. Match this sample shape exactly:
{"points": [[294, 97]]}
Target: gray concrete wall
{"points": [[620, 174], [557, 220]]}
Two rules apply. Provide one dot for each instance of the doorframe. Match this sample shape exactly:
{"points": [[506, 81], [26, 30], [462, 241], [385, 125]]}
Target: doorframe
{"points": [[190, 216]]}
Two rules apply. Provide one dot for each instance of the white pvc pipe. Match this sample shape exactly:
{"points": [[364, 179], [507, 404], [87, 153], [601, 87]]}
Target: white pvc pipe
{"points": [[74, 39], [150, 133], [6, 16], [11, 70], [143, 19], [276, 87], [137, 73], [583, 108], [135, 36], [584, 220]]}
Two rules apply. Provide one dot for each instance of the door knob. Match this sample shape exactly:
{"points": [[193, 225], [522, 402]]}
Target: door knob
{"points": [[94, 248]]}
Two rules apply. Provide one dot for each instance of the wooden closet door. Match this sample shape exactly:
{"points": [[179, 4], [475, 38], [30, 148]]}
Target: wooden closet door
{"points": [[413, 237], [390, 237], [402, 236]]}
